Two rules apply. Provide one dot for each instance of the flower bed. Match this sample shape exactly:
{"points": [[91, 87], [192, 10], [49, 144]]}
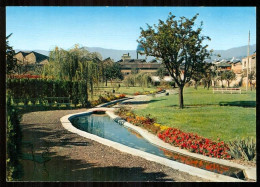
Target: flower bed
{"points": [[107, 98], [148, 92], [195, 143], [189, 141]]}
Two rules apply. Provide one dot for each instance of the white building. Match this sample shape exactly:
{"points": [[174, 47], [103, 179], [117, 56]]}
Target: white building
{"points": [[251, 64]]}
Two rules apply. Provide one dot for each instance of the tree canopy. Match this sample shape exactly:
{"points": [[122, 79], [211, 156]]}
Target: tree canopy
{"points": [[180, 46], [11, 62]]}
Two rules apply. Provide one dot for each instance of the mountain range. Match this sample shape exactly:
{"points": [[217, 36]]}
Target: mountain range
{"points": [[236, 52]]}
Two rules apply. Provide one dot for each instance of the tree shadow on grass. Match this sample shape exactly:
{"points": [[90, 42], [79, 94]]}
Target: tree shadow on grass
{"points": [[141, 102], [246, 104]]}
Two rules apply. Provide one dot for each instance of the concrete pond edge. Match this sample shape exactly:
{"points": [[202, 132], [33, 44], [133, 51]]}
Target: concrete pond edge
{"points": [[250, 173]]}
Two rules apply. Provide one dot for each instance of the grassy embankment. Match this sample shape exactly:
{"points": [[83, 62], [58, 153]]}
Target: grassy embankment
{"points": [[224, 116]]}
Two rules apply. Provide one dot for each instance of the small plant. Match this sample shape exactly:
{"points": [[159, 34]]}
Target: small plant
{"points": [[122, 96], [123, 110], [245, 149]]}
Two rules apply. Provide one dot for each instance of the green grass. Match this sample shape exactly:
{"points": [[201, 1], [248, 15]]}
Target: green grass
{"points": [[224, 116]]}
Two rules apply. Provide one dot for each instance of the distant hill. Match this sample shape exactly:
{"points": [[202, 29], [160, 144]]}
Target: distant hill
{"points": [[237, 52]]}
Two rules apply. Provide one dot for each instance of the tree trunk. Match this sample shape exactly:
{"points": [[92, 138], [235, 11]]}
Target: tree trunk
{"points": [[209, 84], [195, 86], [181, 97], [250, 82], [91, 88]]}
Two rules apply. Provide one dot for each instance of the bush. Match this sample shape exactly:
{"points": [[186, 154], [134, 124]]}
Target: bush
{"points": [[245, 149], [13, 143]]}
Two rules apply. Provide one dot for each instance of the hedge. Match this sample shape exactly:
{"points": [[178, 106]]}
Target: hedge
{"points": [[37, 89], [13, 143]]}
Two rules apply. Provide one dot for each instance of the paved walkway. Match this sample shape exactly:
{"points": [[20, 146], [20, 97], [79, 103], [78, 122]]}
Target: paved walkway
{"points": [[74, 158]]}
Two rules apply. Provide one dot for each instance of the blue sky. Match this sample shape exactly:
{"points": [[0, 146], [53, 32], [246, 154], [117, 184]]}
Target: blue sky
{"points": [[119, 27]]}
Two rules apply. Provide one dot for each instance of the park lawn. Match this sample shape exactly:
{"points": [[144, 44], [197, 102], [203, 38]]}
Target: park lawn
{"points": [[224, 116]]}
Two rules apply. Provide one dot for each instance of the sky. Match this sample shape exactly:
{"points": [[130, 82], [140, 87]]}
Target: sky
{"points": [[43, 28]]}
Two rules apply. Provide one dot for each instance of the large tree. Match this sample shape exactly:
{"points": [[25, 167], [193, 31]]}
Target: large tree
{"points": [[180, 46]]}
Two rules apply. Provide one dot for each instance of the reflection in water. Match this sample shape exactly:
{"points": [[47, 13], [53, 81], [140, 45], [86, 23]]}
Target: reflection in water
{"points": [[105, 127]]}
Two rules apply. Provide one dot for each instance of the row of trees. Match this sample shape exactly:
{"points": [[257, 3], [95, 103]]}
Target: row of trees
{"points": [[78, 64]]}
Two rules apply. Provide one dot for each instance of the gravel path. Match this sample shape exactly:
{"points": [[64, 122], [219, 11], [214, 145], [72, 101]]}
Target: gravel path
{"points": [[142, 101], [74, 158]]}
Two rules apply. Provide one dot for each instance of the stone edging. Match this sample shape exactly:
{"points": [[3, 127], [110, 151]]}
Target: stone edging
{"points": [[65, 120]]}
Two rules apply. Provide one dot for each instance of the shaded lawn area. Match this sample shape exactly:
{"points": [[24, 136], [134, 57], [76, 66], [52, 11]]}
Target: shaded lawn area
{"points": [[224, 116]]}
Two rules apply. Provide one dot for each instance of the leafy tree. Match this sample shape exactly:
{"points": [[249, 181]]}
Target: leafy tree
{"points": [[129, 80], [11, 62], [222, 77], [143, 79], [179, 45], [251, 78], [161, 72], [209, 74], [113, 72], [197, 74], [228, 76]]}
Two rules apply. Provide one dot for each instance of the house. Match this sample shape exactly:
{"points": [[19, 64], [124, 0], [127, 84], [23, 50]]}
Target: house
{"points": [[28, 58], [128, 64], [29, 61], [236, 66], [223, 66], [251, 64]]}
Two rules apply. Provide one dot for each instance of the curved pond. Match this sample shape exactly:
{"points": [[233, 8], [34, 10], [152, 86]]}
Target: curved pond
{"points": [[105, 127]]}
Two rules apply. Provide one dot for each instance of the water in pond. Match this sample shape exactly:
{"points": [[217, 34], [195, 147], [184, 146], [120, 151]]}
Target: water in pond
{"points": [[105, 127]]}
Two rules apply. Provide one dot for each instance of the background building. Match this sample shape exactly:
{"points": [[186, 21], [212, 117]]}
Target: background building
{"points": [[30, 61], [129, 65]]}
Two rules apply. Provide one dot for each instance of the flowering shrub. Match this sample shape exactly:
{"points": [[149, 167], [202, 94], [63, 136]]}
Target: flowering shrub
{"points": [[195, 143], [149, 92], [105, 99]]}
